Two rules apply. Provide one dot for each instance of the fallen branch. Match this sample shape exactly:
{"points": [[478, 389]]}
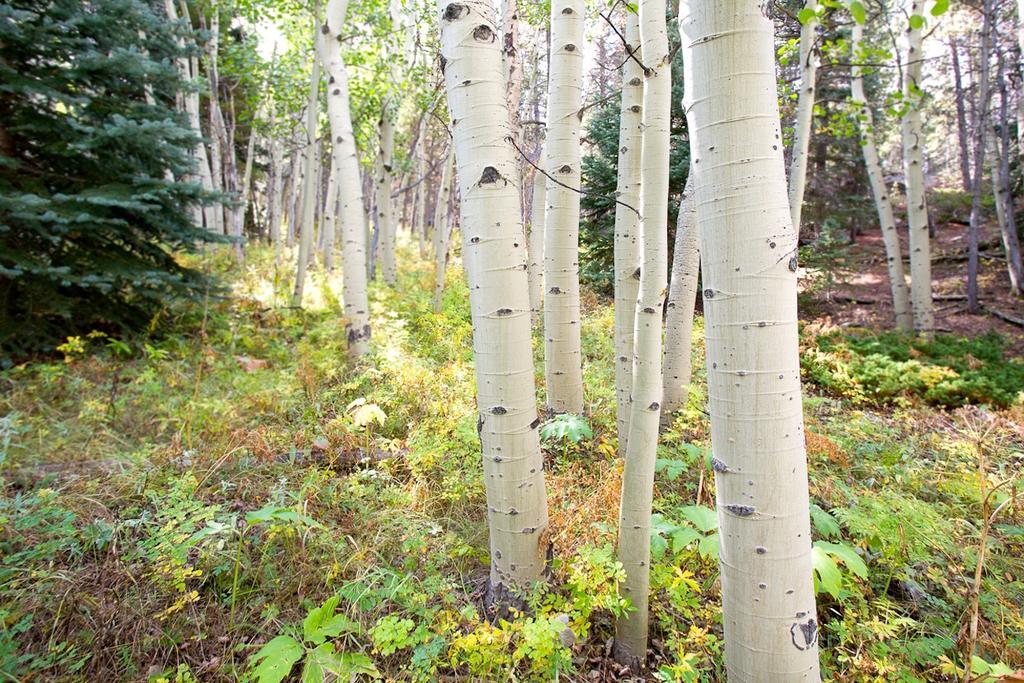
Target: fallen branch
{"points": [[1006, 316]]}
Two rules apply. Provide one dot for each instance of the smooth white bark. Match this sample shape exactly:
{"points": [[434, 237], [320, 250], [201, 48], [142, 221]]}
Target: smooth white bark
{"points": [[385, 205], [627, 226], [634, 549], [495, 264], [441, 230], [535, 246], [682, 299], [563, 359], [804, 115], [309, 163], [351, 215], [748, 266], [912, 136], [883, 203], [274, 199]]}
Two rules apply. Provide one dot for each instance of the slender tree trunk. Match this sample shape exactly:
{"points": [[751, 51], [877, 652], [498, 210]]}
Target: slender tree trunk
{"points": [[883, 204], [634, 551], [804, 115], [627, 226], [217, 133], [350, 190], [535, 247], [912, 136], [748, 266], [1020, 100], [961, 116], [682, 299], [330, 215], [423, 191], [1003, 194], [495, 261], [441, 230], [274, 198], [981, 124], [563, 359], [294, 194], [385, 205], [309, 172], [510, 63]]}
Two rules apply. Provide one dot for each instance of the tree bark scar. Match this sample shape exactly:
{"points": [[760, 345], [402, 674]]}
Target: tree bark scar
{"points": [[454, 11], [804, 635]]}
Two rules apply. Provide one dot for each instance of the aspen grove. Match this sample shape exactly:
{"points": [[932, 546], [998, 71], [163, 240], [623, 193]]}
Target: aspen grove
{"points": [[472, 340]]}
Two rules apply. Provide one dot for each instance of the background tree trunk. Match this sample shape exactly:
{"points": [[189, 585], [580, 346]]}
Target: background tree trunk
{"points": [[310, 158], [495, 260], [441, 230], [350, 190], [913, 168], [748, 266], [627, 226], [535, 248], [883, 204], [385, 205], [682, 299], [634, 550], [563, 359], [804, 115], [981, 123]]}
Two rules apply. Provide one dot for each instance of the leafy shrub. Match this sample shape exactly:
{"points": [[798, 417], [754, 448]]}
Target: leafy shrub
{"points": [[891, 368]]}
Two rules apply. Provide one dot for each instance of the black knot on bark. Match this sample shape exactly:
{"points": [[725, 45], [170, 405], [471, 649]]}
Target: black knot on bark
{"points": [[444, 63], [484, 33], [336, 91], [654, 406], [740, 510], [535, 423], [648, 309], [567, 10], [490, 175], [474, 240], [709, 294], [454, 11], [636, 274], [792, 264], [565, 169], [635, 81], [499, 410], [555, 290], [569, 47], [635, 109], [718, 466], [503, 311], [325, 29]]}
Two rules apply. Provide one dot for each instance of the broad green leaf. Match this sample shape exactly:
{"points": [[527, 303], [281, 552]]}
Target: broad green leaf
{"points": [[275, 660], [701, 517], [827, 576], [322, 623], [824, 523], [670, 468], [272, 513], [848, 555], [708, 546], [658, 546], [684, 536], [916, 21], [356, 664], [806, 15], [857, 12], [566, 427], [940, 7]]}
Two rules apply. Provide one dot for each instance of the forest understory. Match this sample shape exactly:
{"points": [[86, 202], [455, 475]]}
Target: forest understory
{"points": [[174, 504]]}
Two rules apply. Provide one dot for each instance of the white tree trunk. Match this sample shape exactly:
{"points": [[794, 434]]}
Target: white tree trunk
{"points": [[912, 136], [634, 551], [495, 261], [1020, 100], [330, 221], [274, 199], [385, 205], [441, 230], [883, 204], [804, 115], [350, 190], [1004, 205], [627, 226], [748, 266], [244, 192], [682, 299], [535, 245], [310, 158], [563, 359], [217, 133]]}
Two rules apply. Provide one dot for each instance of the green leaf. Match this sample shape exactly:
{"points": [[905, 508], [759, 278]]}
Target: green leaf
{"points": [[275, 660], [940, 7], [806, 15], [848, 555], [658, 546], [708, 546], [824, 523], [684, 536], [701, 517], [670, 468], [566, 427], [827, 576], [356, 664], [857, 12], [322, 623], [272, 513], [916, 21], [342, 666]]}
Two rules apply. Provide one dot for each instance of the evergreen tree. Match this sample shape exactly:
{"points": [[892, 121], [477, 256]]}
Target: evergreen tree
{"points": [[92, 214]]}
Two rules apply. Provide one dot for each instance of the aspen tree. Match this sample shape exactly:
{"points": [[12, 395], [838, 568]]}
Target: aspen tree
{"points": [[495, 264], [330, 219], [627, 225], [345, 159], [385, 206], [634, 549], [1000, 152], [804, 110], [977, 173], [748, 266], [883, 203], [274, 198], [682, 299], [309, 162], [535, 246], [912, 136], [563, 358], [218, 142], [441, 230]]}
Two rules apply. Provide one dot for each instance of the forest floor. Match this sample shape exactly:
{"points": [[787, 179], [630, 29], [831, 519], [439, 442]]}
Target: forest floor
{"points": [[171, 505]]}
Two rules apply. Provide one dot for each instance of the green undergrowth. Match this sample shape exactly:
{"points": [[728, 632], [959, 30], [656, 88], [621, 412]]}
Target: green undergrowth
{"points": [[237, 499]]}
